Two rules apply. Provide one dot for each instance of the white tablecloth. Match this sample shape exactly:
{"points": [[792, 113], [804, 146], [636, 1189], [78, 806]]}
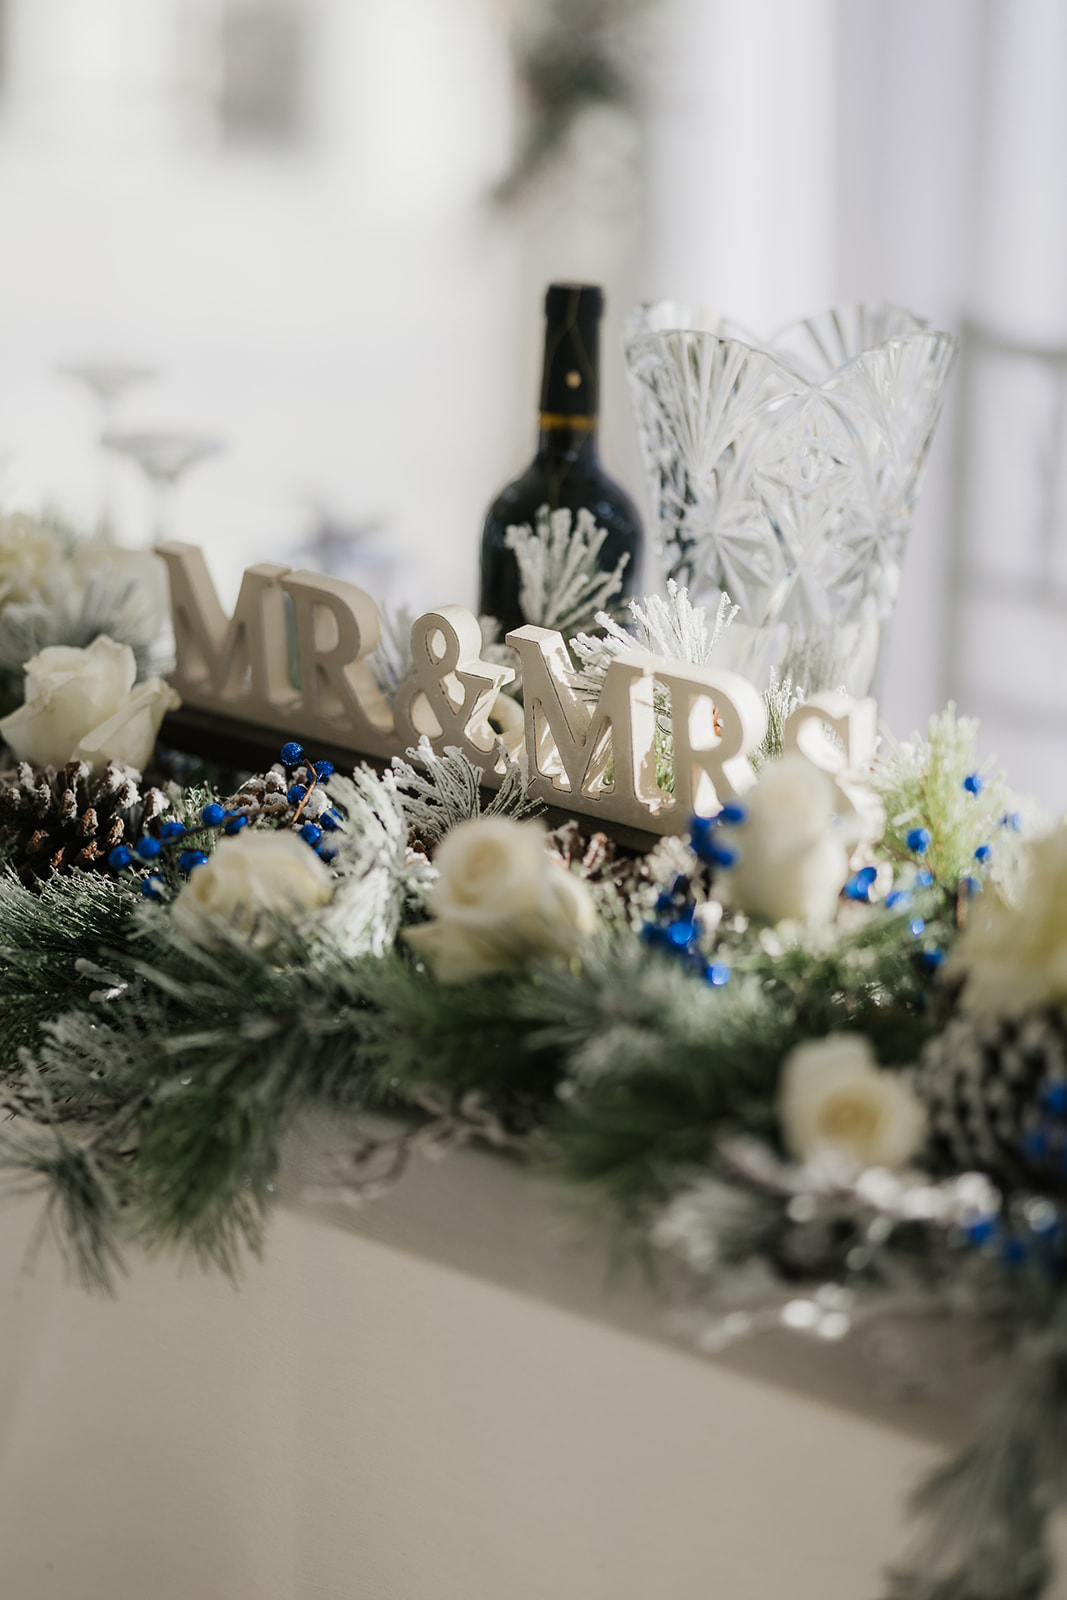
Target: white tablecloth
{"points": [[363, 1422]]}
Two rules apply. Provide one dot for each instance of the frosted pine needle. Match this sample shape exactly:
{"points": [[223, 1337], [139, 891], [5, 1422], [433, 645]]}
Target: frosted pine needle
{"points": [[781, 698], [392, 661], [447, 791], [670, 626], [560, 584]]}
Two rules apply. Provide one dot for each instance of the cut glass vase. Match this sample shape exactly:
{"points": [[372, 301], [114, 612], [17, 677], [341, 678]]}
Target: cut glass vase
{"points": [[785, 474]]}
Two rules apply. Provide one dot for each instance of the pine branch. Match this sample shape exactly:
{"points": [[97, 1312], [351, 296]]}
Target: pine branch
{"points": [[447, 791], [989, 1508], [923, 784], [43, 936], [560, 583], [673, 627]]}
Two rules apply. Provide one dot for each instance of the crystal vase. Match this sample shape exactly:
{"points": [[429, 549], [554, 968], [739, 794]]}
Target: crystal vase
{"points": [[786, 475]]}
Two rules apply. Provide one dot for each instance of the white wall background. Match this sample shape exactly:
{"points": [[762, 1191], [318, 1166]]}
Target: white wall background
{"points": [[362, 327]]}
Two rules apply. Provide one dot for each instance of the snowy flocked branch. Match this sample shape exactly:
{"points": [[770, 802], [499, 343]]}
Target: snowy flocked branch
{"points": [[444, 790], [560, 584], [670, 626]]}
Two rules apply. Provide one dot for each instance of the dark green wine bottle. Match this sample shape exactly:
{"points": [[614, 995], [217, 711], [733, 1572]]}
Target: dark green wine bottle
{"points": [[566, 470]]}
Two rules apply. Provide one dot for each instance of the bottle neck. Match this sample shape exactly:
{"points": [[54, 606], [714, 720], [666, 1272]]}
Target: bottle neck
{"points": [[568, 441]]}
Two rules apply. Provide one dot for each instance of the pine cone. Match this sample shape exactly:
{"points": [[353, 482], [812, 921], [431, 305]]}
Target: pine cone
{"points": [[269, 792], [993, 1088], [68, 821], [265, 789]]}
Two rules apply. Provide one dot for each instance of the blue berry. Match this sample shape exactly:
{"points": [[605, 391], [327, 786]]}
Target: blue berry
{"points": [[933, 959], [213, 814], [172, 830], [1035, 1144], [152, 888], [971, 885], [664, 902], [1012, 820], [733, 815], [859, 886], [682, 933], [119, 858], [717, 974], [189, 859], [983, 854], [235, 824], [898, 900], [311, 833], [918, 839], [327, 853], [296, 794], [323, 770], [924, 878], [981, 1230], [916, 927], [700, 835], [329, 820], [292, 754], [1014, 1251], [974, 783], [724, 856], [1054, 1098], [149, 849]]}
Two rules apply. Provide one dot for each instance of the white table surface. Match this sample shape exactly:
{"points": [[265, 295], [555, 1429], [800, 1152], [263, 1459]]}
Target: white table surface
{"points": [[430, 1398]]}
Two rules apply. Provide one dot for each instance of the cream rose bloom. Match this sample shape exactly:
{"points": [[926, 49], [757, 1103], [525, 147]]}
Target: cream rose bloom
{"points": [[498, 901], [81, 705], [1014, 957], [248, 880], [833, 1097], [792, 855]]}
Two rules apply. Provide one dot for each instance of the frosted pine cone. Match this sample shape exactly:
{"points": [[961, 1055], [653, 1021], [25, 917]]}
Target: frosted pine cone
{"points": [[995, 1090], [68, 821], [269, 792]]}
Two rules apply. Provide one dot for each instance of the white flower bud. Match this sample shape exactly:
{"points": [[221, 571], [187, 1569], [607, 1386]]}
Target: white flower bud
{"points": [[499, 901], [248, 880], [834, 1099], [792, 859], [81, 705], [1015, 956]]}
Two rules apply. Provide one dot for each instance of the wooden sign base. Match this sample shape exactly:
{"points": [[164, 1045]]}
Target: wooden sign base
{"points": [[243, 746]]}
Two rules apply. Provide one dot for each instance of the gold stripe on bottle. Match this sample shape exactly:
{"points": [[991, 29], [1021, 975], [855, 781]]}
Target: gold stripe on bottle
{"points": [[554, 419]]}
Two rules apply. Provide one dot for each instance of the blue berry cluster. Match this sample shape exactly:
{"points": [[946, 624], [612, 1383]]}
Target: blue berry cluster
{"points": [[673, 928], [708, 843], [1032, 1233], [214, 818], [1044, 1145], [304, 776]]}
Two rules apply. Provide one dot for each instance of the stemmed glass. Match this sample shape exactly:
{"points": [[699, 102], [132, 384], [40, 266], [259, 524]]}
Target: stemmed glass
{"points": [[165, 458], [108, 381]]}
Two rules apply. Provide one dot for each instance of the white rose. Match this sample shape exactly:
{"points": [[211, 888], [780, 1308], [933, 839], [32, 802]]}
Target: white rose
{"points": [[499, 900], [81, 705], [834, 1098], [792, 857], [1014, 957], [249, 879]]}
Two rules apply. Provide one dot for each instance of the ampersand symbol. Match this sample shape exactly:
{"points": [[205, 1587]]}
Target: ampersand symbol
{"points": [[451, 691]]}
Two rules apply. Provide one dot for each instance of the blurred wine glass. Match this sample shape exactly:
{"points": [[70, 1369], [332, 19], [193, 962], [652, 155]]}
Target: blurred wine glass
{"points": [[164, 458], [108, 381]]}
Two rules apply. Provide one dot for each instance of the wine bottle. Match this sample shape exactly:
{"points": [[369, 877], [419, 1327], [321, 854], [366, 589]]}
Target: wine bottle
{"points": [[566, 471]]}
